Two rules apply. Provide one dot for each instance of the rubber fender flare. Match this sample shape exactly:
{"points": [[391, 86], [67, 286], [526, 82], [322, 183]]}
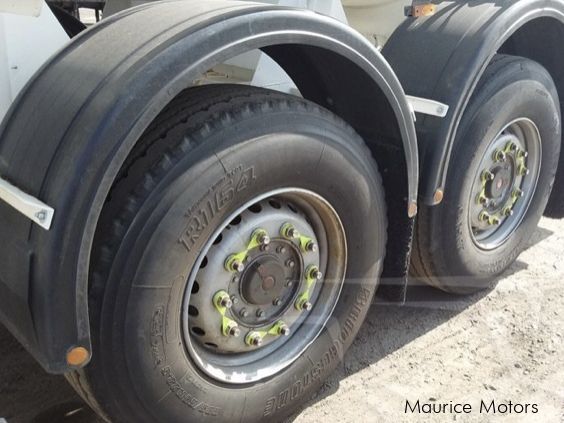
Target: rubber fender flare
{"points": [[443, 56], [68, 133]]}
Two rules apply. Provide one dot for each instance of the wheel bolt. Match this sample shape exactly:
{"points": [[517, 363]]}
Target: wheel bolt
{"points": [[234, 265], [222, 299], [499, 156], [314, 273], [281, 250], [307, 306], [233, 330], [260, 313], [512, 146], [288, 231], [508, 211], [311, 246], [263, 238], [244, 312], [283, 329], [518, 193], [289, 284], [277, 302], [234, 299], [522, 154], [290, 263], [523, 171], [236, 279], [482, 199], [494, 220], [253, 339], [487, 175], [484, 216]]}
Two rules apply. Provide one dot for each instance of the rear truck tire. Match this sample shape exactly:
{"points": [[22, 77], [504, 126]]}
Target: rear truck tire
{"points": [[500, 176], [235, 260], [555, 207]]}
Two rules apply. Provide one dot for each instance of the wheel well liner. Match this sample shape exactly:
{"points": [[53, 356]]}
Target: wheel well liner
{"points": [[98, 95]]}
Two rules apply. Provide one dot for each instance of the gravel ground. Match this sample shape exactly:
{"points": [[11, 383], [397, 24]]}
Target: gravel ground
{"points": [[503, 345]]}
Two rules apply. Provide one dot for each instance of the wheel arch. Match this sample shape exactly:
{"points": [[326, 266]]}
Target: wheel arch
{"points": [[452, 50], [98, 95]]}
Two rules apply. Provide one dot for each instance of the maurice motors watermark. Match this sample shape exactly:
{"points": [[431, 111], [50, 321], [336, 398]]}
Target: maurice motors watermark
{"points": [[483, 407]]}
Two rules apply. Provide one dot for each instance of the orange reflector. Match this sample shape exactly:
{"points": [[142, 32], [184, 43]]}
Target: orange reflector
{"points": [[421, 10], [439, 195], [412, 209], [78, 357]]}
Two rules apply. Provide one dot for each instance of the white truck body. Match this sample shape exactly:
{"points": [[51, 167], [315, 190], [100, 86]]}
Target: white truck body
{"points": [[30, 34]]}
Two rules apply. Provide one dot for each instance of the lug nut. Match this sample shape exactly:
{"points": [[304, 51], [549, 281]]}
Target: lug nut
{"points": [[253, 339], [508, 211], [487, 175], [233, 330], [482, 199], [222, 299], [523, 171], [522, 154], [512, 146], [494, 220], [236, 279], [290, 263], [244, 312], [263, 238], [311, 246], [499, 156], [289, 283], [260, 313], [281, 250], [484, 216], [307, 306], [288, 231], [277, 302], [518, 193], [283, 329], [314, 273], [234, 265]]}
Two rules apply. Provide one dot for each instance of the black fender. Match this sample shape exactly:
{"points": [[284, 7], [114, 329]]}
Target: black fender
{"points": [[71, 129], [442, 57]]}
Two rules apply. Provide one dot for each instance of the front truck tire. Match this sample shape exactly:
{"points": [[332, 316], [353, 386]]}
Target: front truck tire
{"points": [[500, 176], [184, 280]]}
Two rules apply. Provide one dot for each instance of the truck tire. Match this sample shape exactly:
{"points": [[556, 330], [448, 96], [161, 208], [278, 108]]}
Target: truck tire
{"points": [[555, 207], [235, 260], [500, 176]]}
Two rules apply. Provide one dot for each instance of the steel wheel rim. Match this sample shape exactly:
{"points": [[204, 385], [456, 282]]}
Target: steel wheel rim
{"points": [[232, 360], [500, 199]]}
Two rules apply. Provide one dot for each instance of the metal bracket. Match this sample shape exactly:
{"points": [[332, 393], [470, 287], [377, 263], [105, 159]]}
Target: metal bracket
{"points": [[427, 107], [419, 9], [27, 205]]}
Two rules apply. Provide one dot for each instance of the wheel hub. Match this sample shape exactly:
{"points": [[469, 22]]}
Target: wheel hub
{"points": [[503, 180], [258, 263], [268, 284], [505, 183], [264, 286]]}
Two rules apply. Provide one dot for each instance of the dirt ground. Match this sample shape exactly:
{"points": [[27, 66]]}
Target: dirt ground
{"points": [[503, 345]]}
